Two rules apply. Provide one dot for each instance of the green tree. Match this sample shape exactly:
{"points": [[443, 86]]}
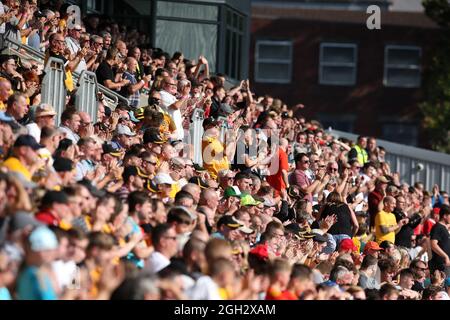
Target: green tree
{"points": [[436, 108]]}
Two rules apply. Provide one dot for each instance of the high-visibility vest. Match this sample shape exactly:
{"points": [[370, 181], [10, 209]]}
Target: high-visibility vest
{"points": [[362, 156]]}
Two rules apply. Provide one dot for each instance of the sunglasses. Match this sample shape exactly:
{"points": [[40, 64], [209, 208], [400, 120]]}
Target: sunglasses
{"points": [[306, 161]]}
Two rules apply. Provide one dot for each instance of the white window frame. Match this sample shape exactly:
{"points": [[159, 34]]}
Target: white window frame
{"points": [[288, 61], [322, 63], [387, 66]]}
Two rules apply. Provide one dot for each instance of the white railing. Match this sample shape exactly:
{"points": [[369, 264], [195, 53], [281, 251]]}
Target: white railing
{"points": [[413, 164]]}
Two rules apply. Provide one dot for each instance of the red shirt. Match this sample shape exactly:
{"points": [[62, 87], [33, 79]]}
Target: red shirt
{"points": [[427, 225], [48, 218], [273, 294], [276, 181], [373, 200]]}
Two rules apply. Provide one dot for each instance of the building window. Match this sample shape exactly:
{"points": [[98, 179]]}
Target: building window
{"points": [[338, 64], [234, 43], [95, 6], [404, 133], [402, 67], [341, 122], [273, 61]]}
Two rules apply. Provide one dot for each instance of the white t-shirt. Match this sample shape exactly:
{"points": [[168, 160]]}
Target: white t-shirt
{"points": [[66, 273], [167, 100], [74, 47], [34, 131], [204, 289], [156, 262]]}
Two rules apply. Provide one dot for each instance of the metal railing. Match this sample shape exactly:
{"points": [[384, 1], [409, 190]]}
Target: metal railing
{"points": [[26, 52], [223, 128], [86, 94], [196, 135], [53, 89], [413, 164]]}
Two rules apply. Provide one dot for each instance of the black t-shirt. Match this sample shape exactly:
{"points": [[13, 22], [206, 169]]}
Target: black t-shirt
{"points": [[344, 219], [242, 149], [441, 234], [403, 237], [104, 72]]}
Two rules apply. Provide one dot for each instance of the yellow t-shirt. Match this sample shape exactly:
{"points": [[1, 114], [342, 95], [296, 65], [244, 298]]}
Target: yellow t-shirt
{"points": [[211, 149], [2, 107], [174, 191], [14, 164], [384, 219]]}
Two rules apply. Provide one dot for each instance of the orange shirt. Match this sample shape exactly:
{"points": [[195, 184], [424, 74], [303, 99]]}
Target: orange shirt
{"points": [[276, 181]]}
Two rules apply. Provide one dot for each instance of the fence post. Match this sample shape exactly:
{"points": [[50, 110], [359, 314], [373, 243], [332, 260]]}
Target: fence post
{"points": [[53, 86], [197, 135], [86, 95]]}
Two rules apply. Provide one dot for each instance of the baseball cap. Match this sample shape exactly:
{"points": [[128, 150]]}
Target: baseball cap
{"points": [[232, 192], [151, 186], [382, 179], [27, 141], [179, 162], [199, 181], [42, 239], [299, 232], [372, 245], [248, 200], [121, 129], [226, 173], [229, 221], [22, 219], [246, 229], [44, 110], [198, 168], [132, 117], [75, 26], [347, 244], [151, 136], [109, 149], [63, 164], [319, 237], [163, 178]]}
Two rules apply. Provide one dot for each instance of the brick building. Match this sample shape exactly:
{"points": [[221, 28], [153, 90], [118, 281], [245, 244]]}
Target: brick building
{"points": [[321, 53]]}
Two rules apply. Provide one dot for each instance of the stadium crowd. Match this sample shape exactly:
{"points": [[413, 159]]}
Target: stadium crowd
{"points": [[117, 209]]}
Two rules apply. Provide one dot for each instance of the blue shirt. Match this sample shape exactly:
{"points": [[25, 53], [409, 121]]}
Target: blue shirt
{"points": [[4, 294], [34, 284], [131, 256], [83, 168], [134, 98]]}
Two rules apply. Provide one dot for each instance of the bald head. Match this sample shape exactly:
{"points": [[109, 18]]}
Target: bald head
{"points": [[194, 190], [206, 195], [85, 117], [389, 203]]}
